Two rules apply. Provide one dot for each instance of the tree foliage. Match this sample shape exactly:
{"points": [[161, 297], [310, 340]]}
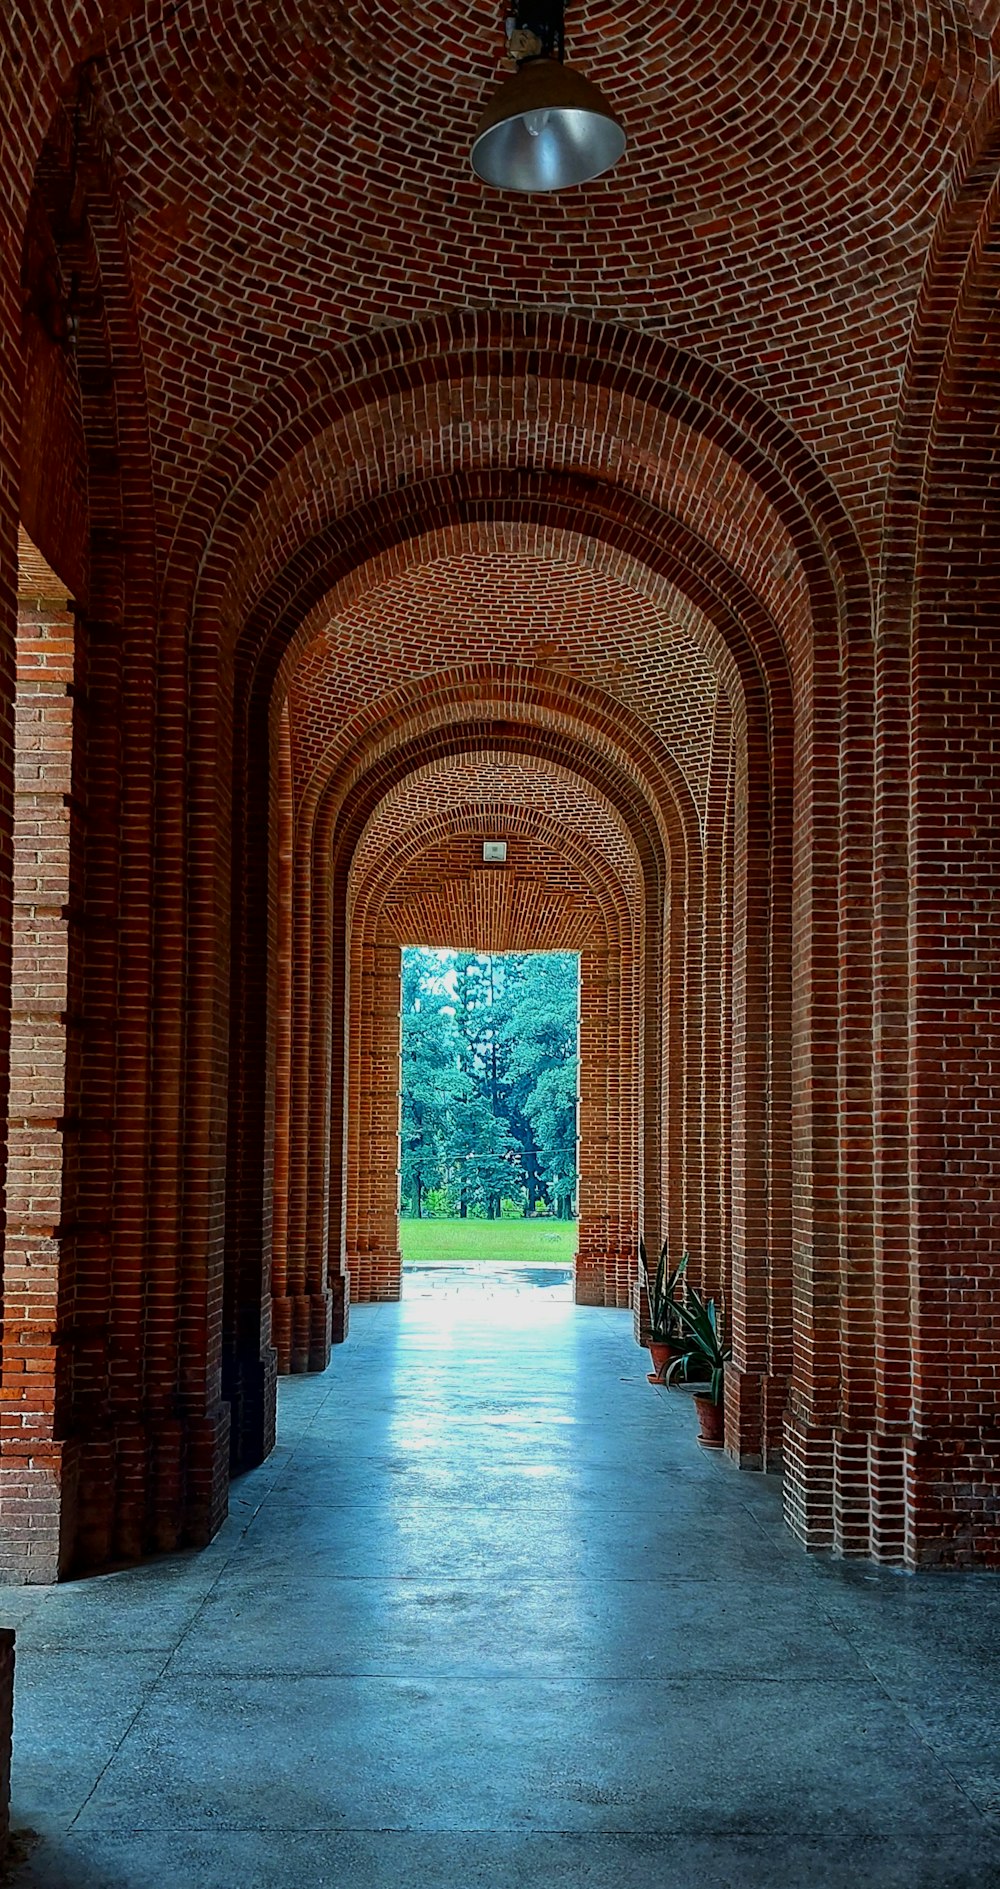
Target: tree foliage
{"points": [[489, 1049]]}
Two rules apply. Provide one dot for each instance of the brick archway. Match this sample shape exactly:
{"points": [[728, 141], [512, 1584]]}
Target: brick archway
{"points": [[433, 727], [929, 1443], [736, 631], [710, 507], [572, 882]]}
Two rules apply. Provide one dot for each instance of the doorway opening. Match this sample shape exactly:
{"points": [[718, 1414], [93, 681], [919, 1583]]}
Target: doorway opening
{"points": [[489, 1116]]}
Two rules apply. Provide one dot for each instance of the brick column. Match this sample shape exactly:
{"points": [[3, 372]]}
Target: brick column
{"points": [[824, 1457], [40, 1466], [304, 1307], [757, 1105], [281, 1306], [609, 1148], [373, 1255]]}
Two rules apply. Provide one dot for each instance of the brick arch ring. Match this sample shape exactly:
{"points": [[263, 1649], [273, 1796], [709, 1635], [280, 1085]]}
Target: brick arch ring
{"points": [[604, 921], [835, 578], [439, 730], [305, 1246], [308, 1227], [935, 676]]}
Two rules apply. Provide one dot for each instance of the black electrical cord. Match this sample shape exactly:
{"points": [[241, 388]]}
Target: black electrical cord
{"points": [[544, 21]]}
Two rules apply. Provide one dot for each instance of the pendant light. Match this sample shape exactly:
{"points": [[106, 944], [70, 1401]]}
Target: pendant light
{"points": [[547, 127]]}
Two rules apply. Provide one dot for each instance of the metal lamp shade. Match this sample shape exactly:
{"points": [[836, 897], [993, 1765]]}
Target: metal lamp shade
{"points": [[546, 127]]}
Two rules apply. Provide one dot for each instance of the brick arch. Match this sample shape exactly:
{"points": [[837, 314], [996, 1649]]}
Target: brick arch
{"points": [[612, 601], [827, 588], [559, 877], [472, 692], [842, 862], [761, 725], [275, 79], [765, 724], [417, 733], [450, 433], [919, 65], [773, 79], [768, 721], [743, 427], [638, 548], [685, 1064], [938, 688], [438, 787], [373, 378], [516, 609], [421, 792], [206, 645], [375, 892]]}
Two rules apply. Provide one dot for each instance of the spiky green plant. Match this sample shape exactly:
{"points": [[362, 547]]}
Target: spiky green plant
{"points": [[665, 1326], [704, 1358]]}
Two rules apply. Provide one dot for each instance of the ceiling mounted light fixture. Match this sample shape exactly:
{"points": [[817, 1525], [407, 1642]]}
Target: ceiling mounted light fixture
{"points": [[547, 127]]}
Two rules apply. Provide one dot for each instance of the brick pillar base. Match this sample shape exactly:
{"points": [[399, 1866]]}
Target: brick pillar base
{"points": [[340, 1307], [305, 1325], [300, 1328], [250, 1388], [320, 1330], [755, 1410], [75, 1507], [846, 1491], [604, 1279], [281, 1332], [208, 1458], [376, 1277], [808, 1485], [953, 1499], [6, 1730], [38, 1499]]}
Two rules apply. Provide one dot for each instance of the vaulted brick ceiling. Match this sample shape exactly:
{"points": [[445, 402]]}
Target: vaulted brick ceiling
{"points": [[296, 176], [297, 173], [419, 867], [495, 785], [507, 608]]}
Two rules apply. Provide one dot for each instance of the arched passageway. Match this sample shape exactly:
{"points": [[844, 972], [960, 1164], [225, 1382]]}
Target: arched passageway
{"points": [[367, 549], [423, 878]]}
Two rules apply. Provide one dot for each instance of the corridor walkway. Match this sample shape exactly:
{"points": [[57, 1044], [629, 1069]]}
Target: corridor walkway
{"points": [[487, 1618]]}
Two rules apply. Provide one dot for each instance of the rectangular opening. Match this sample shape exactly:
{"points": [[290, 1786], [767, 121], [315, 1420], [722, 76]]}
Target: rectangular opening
{"points": [[489, 1107]]}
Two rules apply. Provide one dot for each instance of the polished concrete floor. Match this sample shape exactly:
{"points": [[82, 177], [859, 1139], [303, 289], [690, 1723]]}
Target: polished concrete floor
{"points": [[488, 1617]]}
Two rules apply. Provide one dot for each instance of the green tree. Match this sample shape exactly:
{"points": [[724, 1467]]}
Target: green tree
{"points": [[432, 1077], [490, 1080], [543, 1074]]}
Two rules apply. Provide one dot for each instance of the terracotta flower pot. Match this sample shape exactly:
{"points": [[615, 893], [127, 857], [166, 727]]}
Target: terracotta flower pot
{"points": [[660, 1355], [711, 1422]]}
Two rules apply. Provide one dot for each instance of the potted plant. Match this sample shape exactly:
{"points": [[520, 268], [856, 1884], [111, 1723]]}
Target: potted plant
{"points": [[703, 1365], [667, 1338]]}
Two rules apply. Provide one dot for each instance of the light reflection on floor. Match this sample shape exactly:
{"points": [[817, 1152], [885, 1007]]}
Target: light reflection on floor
{"points": [[446, 1281], [489, 1619]]}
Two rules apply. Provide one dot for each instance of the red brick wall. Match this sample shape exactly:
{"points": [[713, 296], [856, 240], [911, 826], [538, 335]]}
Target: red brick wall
{"points": [[118, 1468]]}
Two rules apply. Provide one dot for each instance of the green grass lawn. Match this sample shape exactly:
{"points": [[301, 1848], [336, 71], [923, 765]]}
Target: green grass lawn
{"points": [[529, 1242]]}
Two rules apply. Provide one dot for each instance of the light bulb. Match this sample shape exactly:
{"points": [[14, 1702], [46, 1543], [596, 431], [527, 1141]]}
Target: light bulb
{"points": [[535, 122]]}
